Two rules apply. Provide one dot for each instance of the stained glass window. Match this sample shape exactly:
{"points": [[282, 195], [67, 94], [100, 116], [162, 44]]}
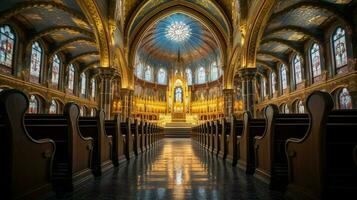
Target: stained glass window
{"points": [[148, 73], [36, 61], [297, 69], [7, 42], [139, 70], [71, 77], [273, 82], [284, 81], [33, 107], [340, 49], [345, 99], [83, 84], [56, 63], [301, 107], [214, 71], [201, 75], [53, 107], [92, 112], [189, 76], [94, 88], [286, 109], [178, 95], [264, 87], [161, 78], [315, 60]]}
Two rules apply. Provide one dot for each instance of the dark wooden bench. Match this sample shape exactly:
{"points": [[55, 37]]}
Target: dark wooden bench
{"points": [[73, 157], [25, 170], [225, 135], [217, 137], [322, 165], [127, 138], [102, 152], [112, 128], [271, 162], [135, 136], [251, 129], [234, 140], [211, 136], [141, 136]]}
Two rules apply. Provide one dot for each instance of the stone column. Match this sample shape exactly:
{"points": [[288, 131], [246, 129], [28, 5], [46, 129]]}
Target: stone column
{"points": [[105, 98], [228, 102], [247, 76], [126, 102]]}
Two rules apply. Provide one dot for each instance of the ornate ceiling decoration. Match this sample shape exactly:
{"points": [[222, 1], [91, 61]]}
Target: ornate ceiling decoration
{"points": [[61, 23], [291, 24], [174, 34]]}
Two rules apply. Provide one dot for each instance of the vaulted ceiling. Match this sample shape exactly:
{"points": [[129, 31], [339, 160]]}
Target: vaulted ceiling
{"points": [[61, 23], [292, 24], [199, 46]]}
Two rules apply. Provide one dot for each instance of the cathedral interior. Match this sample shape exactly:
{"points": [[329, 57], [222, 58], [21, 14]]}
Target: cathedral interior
{"points": [[195, 99]]}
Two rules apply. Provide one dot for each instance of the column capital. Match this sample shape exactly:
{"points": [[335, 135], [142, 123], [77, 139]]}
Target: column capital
{"points": [[106, 72], [247, 73]]}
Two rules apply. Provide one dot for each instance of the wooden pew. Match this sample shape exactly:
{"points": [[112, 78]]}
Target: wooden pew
{"points": [[271, 161], [103, 144], [112, 128], [127, 138], [135, 136], [217, 137], [251, 129], [211, 136], [73, 157], [225, 134], [146, 137], [234, 140], [322, 165], [141, 136], [25, 170]]}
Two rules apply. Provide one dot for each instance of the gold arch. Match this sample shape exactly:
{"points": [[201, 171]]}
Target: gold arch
{"points": [[92, 12]]}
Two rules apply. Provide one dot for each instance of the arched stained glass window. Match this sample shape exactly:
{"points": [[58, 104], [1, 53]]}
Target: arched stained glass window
{"points": [[315, 60], [273, 82], [139, 70], [53, 107], [83, 84], [300, 107], [71, 77], [33, 107], [161, 78], [189, 76], [286, 109], [148, 74], [94, 88], [284, 80], [345, 99], [297, 69], [178, 95], [36, 62], [339, 47], [214, 71], [201, 75], [7, 42], [264, 87], [56, 64], [92, 112]]}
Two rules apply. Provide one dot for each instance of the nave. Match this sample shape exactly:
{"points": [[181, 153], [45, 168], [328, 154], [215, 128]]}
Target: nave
{"points": [[176, 169]]}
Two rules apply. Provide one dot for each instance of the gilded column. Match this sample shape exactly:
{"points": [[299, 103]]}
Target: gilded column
{"points": [[247, 76], [106, 75], [228, 102], [127, 102]]}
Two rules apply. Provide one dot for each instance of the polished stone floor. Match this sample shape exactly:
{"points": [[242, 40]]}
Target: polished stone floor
{"points": [[175, 169]]}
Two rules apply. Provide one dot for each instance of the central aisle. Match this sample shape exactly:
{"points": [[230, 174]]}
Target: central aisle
{"points": [[176, 169]]}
